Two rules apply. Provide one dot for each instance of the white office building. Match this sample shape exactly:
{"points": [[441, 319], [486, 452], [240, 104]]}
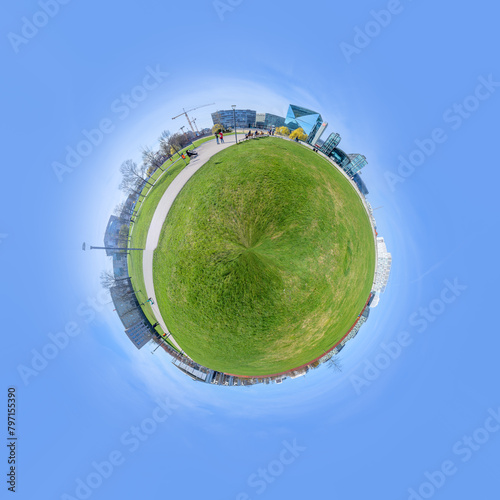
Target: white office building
{"points": [[318, 134], [384, 262]]}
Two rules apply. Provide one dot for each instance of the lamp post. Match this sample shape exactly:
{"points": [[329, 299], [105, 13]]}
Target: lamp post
{"points": [[126, 249], [234, 116]]}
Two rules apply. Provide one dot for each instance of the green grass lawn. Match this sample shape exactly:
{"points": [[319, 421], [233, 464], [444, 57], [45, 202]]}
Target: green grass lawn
{"points": [[265, 260]]}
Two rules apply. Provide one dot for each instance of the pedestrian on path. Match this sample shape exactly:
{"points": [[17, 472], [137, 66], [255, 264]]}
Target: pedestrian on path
{"points": [[221, 137], [217, 137]]}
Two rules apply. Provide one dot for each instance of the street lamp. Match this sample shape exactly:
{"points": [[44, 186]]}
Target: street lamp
{"points": [[234, 116], [84, 246]]}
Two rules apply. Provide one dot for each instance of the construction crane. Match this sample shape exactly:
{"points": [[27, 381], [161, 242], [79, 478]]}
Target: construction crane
{"points": [[185, 113], [195, 126]]}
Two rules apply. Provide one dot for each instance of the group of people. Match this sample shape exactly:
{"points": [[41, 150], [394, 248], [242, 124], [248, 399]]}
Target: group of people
{"points": [[219, 136], [251, 134], [257, 133]]}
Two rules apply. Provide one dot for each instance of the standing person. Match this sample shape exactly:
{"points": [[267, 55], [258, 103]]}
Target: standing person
{"points": [[221, 137], [217, 137]]}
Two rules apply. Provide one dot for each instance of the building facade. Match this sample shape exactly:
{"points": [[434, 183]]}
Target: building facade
{"points": [[244, 118], [356, 163], [383, 270], [384, 263], [330, 144], [140, 334], [361, 185], [340, 158], [268, 120], [351, 164]]}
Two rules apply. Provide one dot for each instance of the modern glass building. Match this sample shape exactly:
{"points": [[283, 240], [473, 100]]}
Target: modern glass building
{"points": [[340, 158], [330, 144], [361, 185], [244, 118], [351, 164], [310, 121], [357, 162], [268, 120]]}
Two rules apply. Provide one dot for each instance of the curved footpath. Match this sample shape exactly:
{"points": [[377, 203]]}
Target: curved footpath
{"points": [[205, 152]]}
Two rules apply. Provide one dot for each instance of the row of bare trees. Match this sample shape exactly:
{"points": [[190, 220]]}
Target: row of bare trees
{"points": [[135, 177], [121, 285]]}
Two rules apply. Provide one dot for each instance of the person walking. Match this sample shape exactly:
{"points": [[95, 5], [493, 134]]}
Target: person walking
{"points": [[221, 137], [217, 137]]}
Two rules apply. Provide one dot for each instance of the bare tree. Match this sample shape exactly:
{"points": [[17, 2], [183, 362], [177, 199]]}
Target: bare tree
{"points": [[164, 136], [335, 364], [132, 186], [123, 210], [121, 286], [149, 160], [174, 142], [165, 144], [125, 216], [109, 280], [164, 140], [133, 180], [184, 139], [123, 234], [132, 173]]}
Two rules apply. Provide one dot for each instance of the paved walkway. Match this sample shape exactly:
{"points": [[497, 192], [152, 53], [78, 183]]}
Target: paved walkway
{"points": [[205, 152]]}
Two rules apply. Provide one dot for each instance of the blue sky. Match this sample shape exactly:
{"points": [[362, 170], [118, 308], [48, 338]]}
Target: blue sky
{"points": [[384, 74]]}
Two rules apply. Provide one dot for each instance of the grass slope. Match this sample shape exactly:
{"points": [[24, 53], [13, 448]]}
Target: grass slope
{"points": [[265, 260]]}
